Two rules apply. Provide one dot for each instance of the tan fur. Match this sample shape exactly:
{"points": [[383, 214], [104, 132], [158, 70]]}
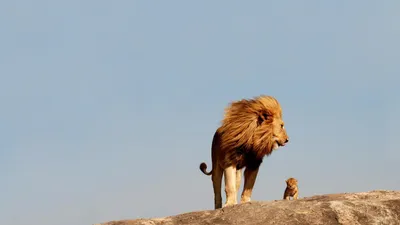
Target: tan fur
{"points": [[250, 130], [291, 190]]}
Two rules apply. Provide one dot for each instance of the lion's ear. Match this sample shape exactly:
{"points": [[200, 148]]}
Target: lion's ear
{"points": [[263, 116]]}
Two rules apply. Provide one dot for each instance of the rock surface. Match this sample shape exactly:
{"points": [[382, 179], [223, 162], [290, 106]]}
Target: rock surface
{"points": [[374, 207]]}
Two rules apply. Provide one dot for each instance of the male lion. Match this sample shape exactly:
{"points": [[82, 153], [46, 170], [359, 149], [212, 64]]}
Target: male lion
{"points": [[291, 189], [251, 129]]}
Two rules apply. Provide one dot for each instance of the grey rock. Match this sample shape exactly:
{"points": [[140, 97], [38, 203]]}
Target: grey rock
{"points": [[374, 207]]}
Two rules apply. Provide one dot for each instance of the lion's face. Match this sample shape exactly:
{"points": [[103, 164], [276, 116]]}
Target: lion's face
{"points": [[291, 183], [279, 135]]}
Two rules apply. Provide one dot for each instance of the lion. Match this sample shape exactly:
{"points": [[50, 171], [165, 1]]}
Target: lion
{"points": [[250, 130], [291, 190]]}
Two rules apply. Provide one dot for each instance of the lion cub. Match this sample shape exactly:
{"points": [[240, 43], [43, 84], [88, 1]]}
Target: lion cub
{"points": [[291, 189]]}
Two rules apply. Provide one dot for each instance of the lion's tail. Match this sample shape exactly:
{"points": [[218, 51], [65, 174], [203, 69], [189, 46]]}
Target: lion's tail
{"points": [[203, 168]]}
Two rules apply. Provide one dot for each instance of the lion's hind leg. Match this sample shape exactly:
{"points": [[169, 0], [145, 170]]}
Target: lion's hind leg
{"points": [[217, 183]]}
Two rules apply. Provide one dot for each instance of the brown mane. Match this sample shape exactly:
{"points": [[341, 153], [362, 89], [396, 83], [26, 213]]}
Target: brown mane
{"points": [[247, 125]]}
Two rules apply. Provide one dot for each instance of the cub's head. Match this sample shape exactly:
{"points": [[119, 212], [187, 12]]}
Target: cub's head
{"points": [[291, 183]]}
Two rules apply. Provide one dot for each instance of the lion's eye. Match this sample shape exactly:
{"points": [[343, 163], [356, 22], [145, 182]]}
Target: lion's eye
{"points": [[282, 126]]}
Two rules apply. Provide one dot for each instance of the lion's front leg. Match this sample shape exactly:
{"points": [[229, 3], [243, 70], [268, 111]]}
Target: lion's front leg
{"points": [[295, 196], [238, 179], [230, 185], [250, 176]]}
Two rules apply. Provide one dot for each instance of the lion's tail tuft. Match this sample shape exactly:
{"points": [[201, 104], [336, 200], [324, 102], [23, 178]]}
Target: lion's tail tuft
{"points": [[203, 168]]}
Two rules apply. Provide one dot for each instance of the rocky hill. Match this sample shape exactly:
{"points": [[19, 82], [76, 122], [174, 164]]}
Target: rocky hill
{"points": [[375, 207]]}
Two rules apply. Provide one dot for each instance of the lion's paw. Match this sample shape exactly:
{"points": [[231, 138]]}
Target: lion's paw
{"points": [[229, 204]]}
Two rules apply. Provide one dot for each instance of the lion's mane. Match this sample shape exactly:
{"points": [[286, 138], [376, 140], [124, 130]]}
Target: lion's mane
{"points": [[247, 126]]}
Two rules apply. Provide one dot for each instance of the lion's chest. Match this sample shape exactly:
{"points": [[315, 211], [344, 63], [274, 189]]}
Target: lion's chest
{"points": [[290, 192], [247, 159]]}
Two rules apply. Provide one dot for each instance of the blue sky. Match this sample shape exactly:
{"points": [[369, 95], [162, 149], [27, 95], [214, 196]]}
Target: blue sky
{"points": [[109, 107]]}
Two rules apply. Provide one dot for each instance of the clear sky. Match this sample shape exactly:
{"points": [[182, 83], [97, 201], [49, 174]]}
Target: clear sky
{"points": [[109, 107]]}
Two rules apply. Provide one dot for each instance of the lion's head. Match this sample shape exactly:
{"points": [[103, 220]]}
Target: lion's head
{"points": [[291, 183], [279, 134], [254, 125]]}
